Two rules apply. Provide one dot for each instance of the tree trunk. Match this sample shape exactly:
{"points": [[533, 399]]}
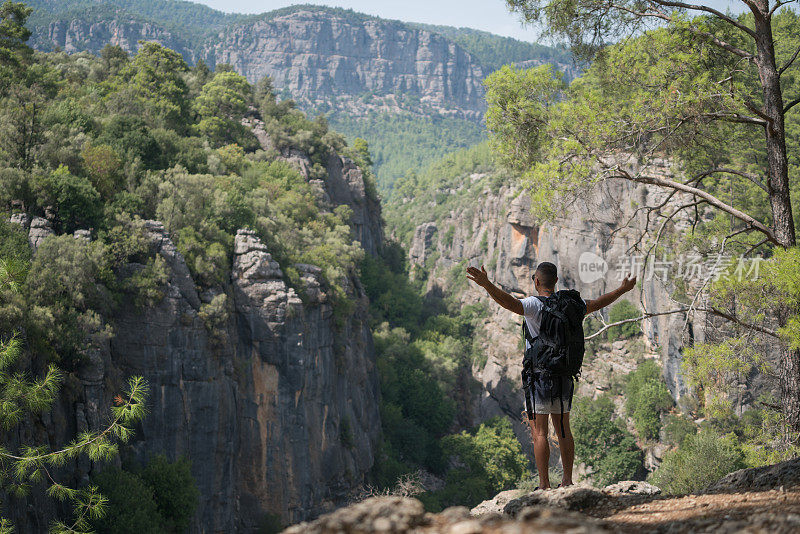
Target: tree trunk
{"points": [[777, 163], [780, 201]]}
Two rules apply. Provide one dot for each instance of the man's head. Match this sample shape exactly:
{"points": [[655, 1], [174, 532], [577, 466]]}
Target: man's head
{"points": [[545, 277]]}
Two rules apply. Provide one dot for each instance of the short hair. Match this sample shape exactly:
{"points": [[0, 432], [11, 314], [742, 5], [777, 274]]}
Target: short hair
{"points": [[548, 274]]}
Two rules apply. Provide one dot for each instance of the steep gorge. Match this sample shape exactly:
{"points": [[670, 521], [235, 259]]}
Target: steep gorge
{"points": [[481, 218]]}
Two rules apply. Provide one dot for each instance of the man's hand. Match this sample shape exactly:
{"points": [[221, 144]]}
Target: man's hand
{"points": [[480, 277], [627, 284], [599, 303]]}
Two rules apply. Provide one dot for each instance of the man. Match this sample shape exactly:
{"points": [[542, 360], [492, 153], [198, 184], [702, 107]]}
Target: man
{"points": [[547, 401]]}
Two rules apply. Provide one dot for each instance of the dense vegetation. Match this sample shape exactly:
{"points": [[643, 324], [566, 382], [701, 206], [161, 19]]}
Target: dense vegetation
{"points": [[493, 51], [646, 398], [425, 349], [602, 442], [440, 188], [400, 142], [160, 497], [407, 142]]}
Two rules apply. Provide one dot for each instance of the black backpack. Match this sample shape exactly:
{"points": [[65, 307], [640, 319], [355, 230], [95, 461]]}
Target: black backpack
{"points": [[557, 351]]}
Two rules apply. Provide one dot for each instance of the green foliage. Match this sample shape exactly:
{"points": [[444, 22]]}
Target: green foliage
{"points": [[646, 397], [22, 395], [131, 505], [392, 298], [677, 428], [621, 311], [155, 78], [449, 182], [489, 460], [13, 35], [63, 296], [494, 51], [78, 201], [174, 490], [702, 459], [603, 443], [414, 409], [221, 105], [405, 142], [160, 498], [518, 108]]}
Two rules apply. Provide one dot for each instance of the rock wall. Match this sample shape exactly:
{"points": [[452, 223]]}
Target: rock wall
{"points": [[499, 232], [315, 54], [79, 35], [275, 400], [277, 411]]}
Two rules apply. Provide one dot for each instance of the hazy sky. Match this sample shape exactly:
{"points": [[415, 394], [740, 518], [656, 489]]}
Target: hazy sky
{"points": [[488, 15]]}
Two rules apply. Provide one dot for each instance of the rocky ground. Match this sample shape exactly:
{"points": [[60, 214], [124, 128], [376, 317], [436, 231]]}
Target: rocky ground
{"points": [[762, 500]]}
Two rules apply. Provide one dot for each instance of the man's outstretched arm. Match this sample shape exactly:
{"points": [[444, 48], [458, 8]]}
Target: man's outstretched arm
{"points": [[505, 300], [604, 300]]}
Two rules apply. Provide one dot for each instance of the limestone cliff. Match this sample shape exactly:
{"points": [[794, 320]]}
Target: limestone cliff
{"points": [[275, 401], [494, 227], [79, 34], [316, 55], [326, 59]]}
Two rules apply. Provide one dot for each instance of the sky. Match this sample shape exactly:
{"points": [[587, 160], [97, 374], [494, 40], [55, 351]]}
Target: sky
{"points": [[487, 15]]}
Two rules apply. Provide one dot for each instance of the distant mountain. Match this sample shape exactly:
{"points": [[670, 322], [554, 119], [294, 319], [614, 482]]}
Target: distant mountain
{"points": [[315, 53], [414, 91]]}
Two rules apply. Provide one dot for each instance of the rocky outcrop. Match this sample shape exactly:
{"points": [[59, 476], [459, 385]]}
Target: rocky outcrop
{"points": [[401, 515], [273, 398], [316, 55], [280, 418], [345, 185], [85, 35], [783, 475]]}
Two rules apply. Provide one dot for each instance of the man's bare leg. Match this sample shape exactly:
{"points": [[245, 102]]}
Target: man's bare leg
{"points": [[566, 445], [541, 449]]}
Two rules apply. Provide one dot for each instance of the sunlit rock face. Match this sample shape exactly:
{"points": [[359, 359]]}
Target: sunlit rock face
{"points": [[316, 55], [499, 231]]}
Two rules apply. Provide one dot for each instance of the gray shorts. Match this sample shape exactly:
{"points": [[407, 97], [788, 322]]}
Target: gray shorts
{"points": [[552, 394]]}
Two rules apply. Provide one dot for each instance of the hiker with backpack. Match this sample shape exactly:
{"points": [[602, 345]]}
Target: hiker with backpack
{"points": [[553, 331]]}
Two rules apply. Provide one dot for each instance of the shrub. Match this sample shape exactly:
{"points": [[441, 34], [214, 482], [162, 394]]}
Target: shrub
{"points": [[75, 198], [603, 443], [646, 397], [174, 490], [678, 428], [702, 459], [622, 311], [160, 498], [132, 507], [489, 460]]}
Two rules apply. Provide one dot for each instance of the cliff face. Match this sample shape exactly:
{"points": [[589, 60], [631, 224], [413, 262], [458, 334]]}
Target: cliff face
{"points": [[79, 35], [322, 58], [275, 402], [316, 55], [280, 415], [498, 232]]}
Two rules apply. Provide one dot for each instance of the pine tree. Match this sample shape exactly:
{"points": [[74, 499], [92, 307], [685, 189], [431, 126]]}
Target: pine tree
{"points": [[22, 395]]}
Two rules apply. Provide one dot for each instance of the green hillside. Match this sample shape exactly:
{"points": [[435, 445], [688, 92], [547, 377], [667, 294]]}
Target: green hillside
{"points": [[494, 51], [407, 142]]}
